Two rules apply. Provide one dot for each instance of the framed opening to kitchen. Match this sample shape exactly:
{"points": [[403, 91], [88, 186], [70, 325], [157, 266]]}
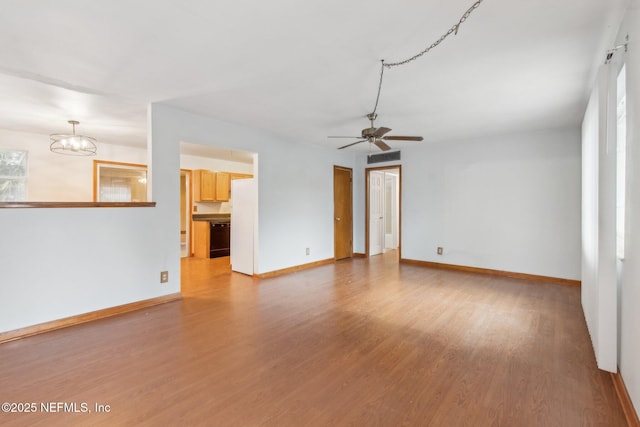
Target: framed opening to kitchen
{"points": [[119, 182]]}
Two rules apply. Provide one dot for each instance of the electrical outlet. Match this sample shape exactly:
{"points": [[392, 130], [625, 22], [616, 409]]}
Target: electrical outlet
{"points": [[308, 251], [439, 250], [164, 276]]}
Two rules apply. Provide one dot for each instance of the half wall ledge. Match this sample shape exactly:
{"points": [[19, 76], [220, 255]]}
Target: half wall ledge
{"points": [[22, 205]]}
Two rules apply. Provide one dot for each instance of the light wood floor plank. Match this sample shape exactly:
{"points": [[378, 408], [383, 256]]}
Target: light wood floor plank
{"points": [[357, 343]]}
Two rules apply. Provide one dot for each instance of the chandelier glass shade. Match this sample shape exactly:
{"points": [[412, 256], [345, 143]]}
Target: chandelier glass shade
{"points": [[72, 144]]}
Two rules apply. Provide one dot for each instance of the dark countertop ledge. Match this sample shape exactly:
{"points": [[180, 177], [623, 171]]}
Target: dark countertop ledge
{"points": [[206, 216]]}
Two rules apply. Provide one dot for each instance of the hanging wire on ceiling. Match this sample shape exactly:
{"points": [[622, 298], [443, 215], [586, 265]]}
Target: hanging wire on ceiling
{"points": [[453, 30], [379, 88]]}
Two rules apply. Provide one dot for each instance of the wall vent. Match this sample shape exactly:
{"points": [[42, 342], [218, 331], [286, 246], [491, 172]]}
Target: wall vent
{"points": [[388, 156]]}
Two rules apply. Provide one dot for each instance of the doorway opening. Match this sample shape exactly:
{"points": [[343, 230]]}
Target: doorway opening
{"points": [[383, 216], [218, 210]]}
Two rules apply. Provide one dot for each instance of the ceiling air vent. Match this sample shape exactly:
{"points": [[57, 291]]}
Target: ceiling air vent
{"points": [[388, 156]]}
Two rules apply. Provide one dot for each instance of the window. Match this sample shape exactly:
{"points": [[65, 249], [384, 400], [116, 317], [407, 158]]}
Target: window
{"points": [[119, 182], [621, 159], [13, 176]]}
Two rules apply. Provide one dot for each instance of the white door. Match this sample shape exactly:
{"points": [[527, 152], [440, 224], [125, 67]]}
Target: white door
{"points": [[391, 211], [376, 212], [243, 205]]}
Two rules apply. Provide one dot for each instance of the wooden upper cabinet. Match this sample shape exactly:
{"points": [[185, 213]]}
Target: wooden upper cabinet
{"points": [[204, 186], [223, 186], [209, 186]]}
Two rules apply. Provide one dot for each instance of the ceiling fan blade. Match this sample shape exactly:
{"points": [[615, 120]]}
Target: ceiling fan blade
{"points": [[403, 138], [381, 145], [349, 145], [380, 131], [344, 137]]}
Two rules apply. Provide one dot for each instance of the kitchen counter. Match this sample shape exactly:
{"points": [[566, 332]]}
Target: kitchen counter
{"points": [[211, 234], [207, 216]]}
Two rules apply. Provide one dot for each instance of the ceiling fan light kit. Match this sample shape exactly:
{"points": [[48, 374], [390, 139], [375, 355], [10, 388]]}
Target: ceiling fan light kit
{"points": [[375, 135]]}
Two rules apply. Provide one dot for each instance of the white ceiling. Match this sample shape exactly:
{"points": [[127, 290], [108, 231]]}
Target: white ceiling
{"points": [[301, 69]]}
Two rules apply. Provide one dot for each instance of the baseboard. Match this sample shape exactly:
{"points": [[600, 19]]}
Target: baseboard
{"points": [[487, 271], [625, 400], [85, 317], [359, 255], [294, 269]]}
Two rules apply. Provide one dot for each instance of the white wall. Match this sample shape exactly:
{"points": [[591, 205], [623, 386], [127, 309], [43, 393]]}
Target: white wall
{"points": [[590, 158], [295, 184], [610, 292], [62, 262], [630, 274], [611, 308], [509, 202], [599, 293], [56, 263], [58, 178]]}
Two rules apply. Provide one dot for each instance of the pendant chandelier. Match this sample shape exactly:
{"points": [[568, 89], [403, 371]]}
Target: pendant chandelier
{"points": [[72, 144]]}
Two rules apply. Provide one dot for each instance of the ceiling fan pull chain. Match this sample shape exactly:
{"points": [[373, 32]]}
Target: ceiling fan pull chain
{"points": [[453, 30]]}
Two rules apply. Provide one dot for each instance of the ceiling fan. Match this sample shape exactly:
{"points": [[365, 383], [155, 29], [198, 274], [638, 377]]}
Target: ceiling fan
{"points": [[376, 136]]}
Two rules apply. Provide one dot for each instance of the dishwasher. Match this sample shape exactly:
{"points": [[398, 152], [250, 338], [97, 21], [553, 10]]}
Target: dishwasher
{"points": [[220, 239]]}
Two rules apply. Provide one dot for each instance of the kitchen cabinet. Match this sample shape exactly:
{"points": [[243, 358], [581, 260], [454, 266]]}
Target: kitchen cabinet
{"points": [[223, 186], [204, 186], [210, 186], [201, 239]]}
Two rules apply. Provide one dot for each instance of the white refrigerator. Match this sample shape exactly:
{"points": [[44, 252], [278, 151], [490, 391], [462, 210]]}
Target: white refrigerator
{"points": [[243, 212]]}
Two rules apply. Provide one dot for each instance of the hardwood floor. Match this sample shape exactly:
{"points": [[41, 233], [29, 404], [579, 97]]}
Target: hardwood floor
{"points": [[356, 343]]}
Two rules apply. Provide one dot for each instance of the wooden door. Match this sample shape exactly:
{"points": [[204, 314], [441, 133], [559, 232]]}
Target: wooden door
{"points": [[376, 212], [342, 212]]}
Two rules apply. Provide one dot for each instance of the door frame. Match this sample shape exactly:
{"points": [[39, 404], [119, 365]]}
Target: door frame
{"points": [[366, 206], [335, 240], [189, 207]]}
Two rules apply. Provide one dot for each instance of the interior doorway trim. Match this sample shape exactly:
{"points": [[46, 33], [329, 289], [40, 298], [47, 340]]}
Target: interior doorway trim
{"points": [[366, 204], [189, 218]]}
